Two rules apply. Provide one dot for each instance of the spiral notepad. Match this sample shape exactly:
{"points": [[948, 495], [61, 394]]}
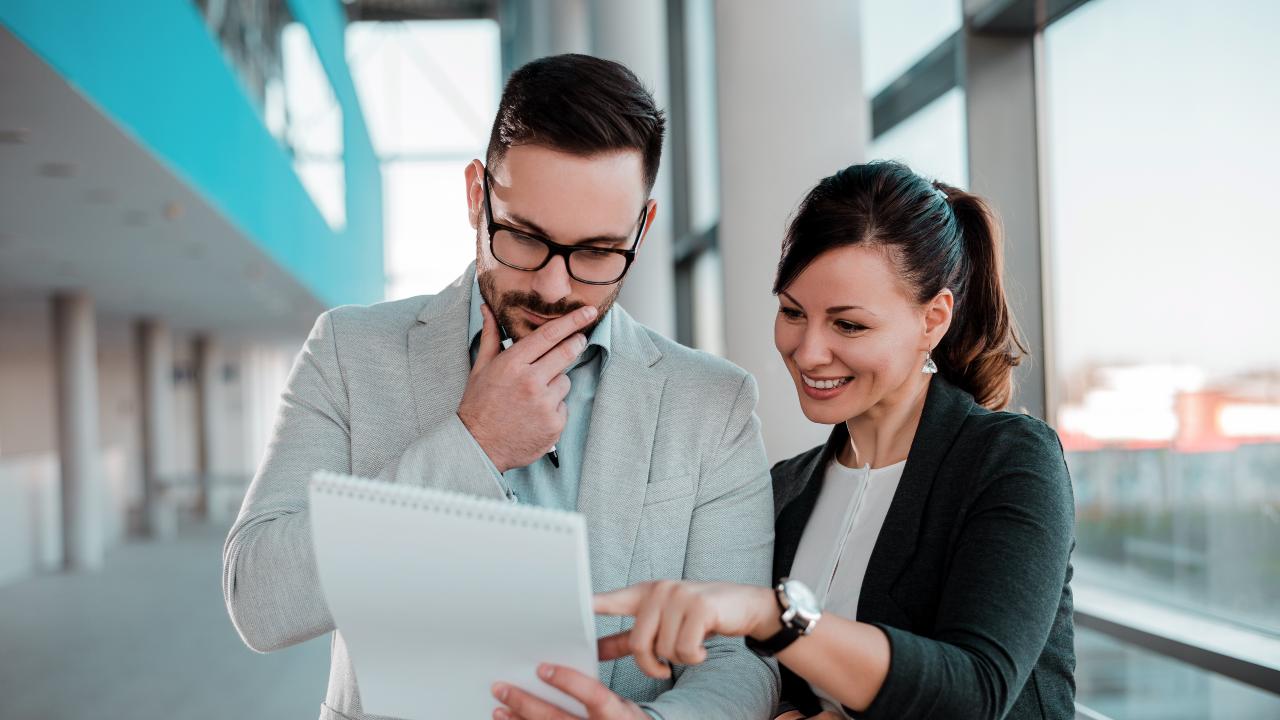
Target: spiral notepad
{"points": [[439, 595]]}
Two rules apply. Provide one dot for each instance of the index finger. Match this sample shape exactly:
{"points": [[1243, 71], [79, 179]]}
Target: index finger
{"points": [[536, 344], [624, 601]]}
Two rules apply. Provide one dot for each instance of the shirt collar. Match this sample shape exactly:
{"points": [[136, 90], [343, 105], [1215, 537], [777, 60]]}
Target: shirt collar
{"points": [[599, 342]]}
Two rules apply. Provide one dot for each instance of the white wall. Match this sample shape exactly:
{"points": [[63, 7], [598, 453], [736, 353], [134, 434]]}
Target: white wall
{"points": [[791, 111]]}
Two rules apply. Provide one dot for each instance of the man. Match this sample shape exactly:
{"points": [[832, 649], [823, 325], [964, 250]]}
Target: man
{"points": [[656, 444]]}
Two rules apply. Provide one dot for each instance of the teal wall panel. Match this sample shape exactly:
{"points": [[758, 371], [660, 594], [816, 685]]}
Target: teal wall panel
{"points": [[154, 68]]}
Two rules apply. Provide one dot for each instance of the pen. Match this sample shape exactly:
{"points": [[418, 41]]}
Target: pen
{"points": [[507, 342]]}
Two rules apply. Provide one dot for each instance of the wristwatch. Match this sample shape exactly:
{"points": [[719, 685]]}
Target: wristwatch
{"points": [[800, 615]]}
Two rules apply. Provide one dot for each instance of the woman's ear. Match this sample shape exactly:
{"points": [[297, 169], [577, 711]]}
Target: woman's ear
{"points": [[937, 317]]}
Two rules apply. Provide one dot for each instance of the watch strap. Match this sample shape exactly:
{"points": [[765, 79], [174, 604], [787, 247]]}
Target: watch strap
{"points": [[775, 643]]}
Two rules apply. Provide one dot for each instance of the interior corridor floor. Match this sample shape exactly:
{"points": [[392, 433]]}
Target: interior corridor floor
{"points": [[148, 637]]}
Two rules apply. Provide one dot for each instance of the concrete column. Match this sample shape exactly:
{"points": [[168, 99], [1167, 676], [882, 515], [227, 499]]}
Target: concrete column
{"points": [[77, 381], [791, 111], [534, 28], [570, 27], [635, 34], [208, 419], [1003, 81], [155, 353]]}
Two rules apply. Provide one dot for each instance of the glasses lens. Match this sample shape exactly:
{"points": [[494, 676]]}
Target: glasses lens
{"points": [[520, 251], [597, 266]]}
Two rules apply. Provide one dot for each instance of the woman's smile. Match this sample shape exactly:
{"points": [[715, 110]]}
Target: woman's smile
{"points": [[824, 388]]}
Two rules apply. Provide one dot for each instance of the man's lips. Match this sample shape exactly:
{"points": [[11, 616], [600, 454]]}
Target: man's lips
{"points": [[535, 318]]}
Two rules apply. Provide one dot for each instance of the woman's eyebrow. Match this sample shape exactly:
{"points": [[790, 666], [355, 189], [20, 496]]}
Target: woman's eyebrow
{"points": [[831, 310], [842, 308]]}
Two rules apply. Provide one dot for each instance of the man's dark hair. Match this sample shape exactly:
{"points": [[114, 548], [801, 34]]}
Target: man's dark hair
{"points": [[581, 105]]}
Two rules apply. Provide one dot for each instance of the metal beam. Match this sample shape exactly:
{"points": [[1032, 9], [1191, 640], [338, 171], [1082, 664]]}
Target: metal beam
{"points": [[1016, 17], [926, 81]]}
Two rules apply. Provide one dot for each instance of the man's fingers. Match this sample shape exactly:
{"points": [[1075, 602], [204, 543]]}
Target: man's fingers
{"points": [[526, 705], [536, 344], [625, 601], [561, 357], [490, 339], [612, 647], [560, 385], [589, 691]]}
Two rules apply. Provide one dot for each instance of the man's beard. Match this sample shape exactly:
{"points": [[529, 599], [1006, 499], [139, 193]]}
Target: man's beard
{"points": [[504, 306]]}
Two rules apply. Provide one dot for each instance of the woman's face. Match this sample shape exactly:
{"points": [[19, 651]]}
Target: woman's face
{"points": [[851, 335]]}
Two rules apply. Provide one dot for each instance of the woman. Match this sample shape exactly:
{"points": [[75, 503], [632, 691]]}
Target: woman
{"points": [[933, 531]]}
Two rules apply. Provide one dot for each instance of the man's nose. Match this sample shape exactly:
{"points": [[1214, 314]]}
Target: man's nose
{"points": [[552, 283]]}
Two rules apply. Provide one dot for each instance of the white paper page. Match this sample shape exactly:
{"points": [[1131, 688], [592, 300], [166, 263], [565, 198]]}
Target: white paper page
{"points": [[439, 595]]}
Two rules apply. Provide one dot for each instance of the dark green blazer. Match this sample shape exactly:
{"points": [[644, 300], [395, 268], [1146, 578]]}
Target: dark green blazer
{"points": [[970, 576]]}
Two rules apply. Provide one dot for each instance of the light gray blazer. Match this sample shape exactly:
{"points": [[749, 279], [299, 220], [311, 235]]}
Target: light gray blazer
{"points": [[674, 483]]}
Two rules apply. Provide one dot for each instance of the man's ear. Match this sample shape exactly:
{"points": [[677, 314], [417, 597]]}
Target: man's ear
{"points": [[474, 174], [937, 317], [651, 212]]}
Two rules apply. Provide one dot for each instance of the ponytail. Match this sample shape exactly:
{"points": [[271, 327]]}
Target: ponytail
{"points": [[982, 347]]}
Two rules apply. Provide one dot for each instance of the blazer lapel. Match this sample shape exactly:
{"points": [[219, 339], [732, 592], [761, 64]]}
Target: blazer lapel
{"points": [[615, 464], [439, 353], [794, 512], [945, 409]]}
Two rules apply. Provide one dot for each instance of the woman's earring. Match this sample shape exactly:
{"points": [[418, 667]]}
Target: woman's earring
{"points": [[930, 367]]}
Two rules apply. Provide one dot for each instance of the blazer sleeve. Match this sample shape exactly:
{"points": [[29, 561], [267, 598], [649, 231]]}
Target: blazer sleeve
{"points": [[1002, 591], [269, 579], [731, 540]]}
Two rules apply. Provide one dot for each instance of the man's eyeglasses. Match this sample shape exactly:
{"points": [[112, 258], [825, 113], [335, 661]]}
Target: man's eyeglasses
{"points": [[586, 264]]}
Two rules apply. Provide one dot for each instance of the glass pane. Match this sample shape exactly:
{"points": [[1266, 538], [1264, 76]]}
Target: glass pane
{"points": [[428, 239], [932, 141], [898, 33], [1121, 682], [1163, 156], [312, 124], [429, 90]]}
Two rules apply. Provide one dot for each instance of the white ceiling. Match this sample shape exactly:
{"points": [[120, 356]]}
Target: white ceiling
{"points": [[83, 206]]}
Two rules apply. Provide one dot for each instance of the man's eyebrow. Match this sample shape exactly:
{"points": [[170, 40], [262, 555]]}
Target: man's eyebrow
{"points": [[607, 240], [598, 239], [526, 222]]}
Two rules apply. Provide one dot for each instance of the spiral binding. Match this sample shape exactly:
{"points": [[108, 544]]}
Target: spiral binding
{"points": [[445, 502]]}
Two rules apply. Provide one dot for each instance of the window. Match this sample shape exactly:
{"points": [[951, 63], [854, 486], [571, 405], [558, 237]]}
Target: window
{"points": [[279, 69], [898, 33], [932, 141], [1166, 358], [429, 90]]}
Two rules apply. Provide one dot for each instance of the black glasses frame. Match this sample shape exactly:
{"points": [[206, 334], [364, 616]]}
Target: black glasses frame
{"points": [[555, 249]]}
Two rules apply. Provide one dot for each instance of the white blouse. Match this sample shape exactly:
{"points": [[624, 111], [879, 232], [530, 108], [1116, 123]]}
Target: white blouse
{"points": [[837, 542]]}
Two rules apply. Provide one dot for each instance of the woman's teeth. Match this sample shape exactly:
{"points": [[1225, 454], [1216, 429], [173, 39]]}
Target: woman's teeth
{"points": [[824, 384]]}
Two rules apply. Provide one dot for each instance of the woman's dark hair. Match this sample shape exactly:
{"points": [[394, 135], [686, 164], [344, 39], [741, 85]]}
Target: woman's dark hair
{"points": [[578, 104], [938, 237]]}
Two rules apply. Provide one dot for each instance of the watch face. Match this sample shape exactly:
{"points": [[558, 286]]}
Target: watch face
{"points": [[801, 597]]}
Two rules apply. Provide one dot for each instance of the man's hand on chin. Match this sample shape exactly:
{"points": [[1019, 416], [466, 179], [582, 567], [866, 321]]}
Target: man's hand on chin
{"points": [[601, 702]]}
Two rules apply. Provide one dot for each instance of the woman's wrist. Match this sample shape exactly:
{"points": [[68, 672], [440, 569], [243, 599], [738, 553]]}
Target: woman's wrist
{"points": [[768, 616]]}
